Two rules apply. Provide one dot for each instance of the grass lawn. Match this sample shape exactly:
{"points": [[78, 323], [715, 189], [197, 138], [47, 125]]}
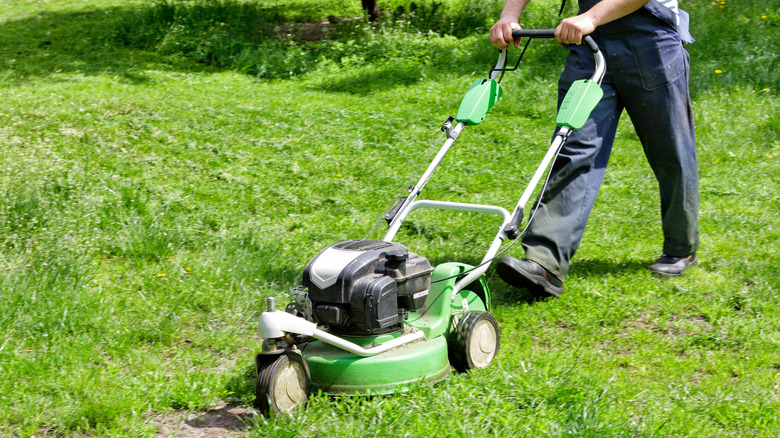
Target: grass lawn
{"points": [[166, 166]]}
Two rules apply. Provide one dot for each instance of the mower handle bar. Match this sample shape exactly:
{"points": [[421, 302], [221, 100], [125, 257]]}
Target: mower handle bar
{"points": [[598, 74], [550, 33]]}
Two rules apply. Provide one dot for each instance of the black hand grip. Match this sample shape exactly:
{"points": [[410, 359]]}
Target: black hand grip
{"points": [[550, 33], [533, 33], [592, 46]]}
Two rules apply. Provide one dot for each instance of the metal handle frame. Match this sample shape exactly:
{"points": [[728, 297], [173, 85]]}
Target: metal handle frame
{"points": [[411, 203]]}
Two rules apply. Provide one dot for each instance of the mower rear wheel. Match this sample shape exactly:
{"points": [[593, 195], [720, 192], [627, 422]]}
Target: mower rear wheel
{"points": [[474, 342], [282, 384]]}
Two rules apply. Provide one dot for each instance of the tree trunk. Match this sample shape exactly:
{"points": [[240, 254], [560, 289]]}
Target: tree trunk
{"points": [[371, 8]]}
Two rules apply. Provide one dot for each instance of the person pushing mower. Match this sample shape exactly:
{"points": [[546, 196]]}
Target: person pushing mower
{"points": [[647, 75]]}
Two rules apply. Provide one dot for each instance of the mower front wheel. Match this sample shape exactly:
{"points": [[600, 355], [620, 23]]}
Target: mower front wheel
{"points": [[475, 341], [283, 383]]}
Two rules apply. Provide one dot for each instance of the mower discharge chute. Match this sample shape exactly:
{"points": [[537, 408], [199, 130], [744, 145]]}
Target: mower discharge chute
{"points": [[372, 317]]}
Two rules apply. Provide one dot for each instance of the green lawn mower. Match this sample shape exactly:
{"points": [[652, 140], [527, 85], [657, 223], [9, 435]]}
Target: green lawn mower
{"points": [[372, 317]]}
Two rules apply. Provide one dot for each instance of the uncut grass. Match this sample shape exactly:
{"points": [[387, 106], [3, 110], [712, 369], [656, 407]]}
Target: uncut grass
{"points": [[150, 203]]}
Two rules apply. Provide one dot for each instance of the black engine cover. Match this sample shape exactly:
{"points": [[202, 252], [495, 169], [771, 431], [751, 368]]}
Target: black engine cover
{"points": [[362, 286]]}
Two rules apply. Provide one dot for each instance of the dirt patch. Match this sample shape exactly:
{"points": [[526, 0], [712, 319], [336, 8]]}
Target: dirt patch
{"points": [[223, 420], [313, 31], [641, 323], [676, 325]]}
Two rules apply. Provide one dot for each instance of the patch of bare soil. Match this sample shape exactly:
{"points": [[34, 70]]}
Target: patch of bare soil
{"points": [[312, 31], [677, 325], [223, 420]]}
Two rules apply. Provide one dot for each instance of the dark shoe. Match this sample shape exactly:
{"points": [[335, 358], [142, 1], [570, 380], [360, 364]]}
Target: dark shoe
{"points": [[529, 275], [670, 266]]}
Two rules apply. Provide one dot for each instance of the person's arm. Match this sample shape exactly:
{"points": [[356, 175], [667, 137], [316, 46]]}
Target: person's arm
{"points": [[571, 30], [501, 32]]}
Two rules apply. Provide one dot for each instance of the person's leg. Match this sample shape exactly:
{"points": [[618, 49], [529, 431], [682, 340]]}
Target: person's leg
{"points": [[660, 109], [557, 227]]}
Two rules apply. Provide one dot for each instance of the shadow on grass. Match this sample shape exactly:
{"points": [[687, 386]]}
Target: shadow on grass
{"points": [[163, 35], [595, 267], [122, 40], [363, 82], [505, 294], [191, 37], [224, 419], [75, 42]]}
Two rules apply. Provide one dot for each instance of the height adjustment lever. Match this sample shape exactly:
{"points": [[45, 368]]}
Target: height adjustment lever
{"points": [[512, 229], [447, 126], [390, 215]]}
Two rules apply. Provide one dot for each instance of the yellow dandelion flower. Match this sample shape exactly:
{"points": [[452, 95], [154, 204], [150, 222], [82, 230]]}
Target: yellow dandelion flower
{"points": [[188, 269], [765, 89], [162, 274], [718, 71], [763, 16]]}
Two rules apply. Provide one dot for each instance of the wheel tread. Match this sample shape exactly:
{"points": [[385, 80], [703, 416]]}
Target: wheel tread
{"points": [[267, 367]]}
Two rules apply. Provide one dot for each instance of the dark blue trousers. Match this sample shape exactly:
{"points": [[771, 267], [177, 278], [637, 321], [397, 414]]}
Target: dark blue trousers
{"points": [[647, 75]]}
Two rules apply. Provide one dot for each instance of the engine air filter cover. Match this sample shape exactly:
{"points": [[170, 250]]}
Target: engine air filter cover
{"points": [[361, 286]]}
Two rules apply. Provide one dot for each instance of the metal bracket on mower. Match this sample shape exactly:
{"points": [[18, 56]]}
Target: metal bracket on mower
{"points": [[276, 324], [447, 126]]}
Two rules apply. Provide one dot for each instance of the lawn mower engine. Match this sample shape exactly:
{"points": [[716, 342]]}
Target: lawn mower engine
{"points": [[363, 287]]}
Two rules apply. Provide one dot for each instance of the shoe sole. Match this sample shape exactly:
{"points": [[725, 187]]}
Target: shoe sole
{"points": [[516, 276]]}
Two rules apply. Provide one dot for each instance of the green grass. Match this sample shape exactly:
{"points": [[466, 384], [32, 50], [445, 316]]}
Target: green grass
{"points": [[152, 197]]}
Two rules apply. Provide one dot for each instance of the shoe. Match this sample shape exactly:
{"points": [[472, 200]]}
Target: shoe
{"points": [[529, 275], [670, 266]]}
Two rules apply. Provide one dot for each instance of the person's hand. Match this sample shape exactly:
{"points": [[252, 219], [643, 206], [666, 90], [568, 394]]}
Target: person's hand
{"points": [[572, 29], [501, 33]]}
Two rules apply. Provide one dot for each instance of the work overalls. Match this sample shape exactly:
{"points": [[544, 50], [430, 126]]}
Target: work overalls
{"points": [[647, 74]]}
